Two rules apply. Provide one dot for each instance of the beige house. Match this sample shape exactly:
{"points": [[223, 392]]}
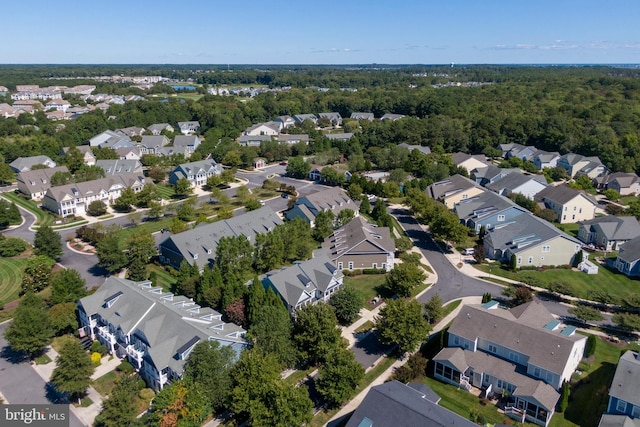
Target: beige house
{"points": [[453, 190], [35, 183], [360, 245], [470, 162], [569, 205], [533, 241]]}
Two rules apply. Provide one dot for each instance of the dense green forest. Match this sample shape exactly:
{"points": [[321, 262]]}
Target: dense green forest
{"points": [[586, 110]]}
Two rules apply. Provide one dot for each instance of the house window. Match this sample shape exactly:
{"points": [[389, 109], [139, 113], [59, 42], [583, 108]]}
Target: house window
{"points": [[530, 260], [456, 340], [513, 357], [564, 217], [500, 384], [573, 217], [580, 211], [465, 196], [621, 406], [374, 265], [350, 265], [384, 266], [501, 217], [536, 372], [549, 377], [546, 248], [340, 266], [493, 348], [519, 260], [635, 412], [565, 208], [574, 208]]}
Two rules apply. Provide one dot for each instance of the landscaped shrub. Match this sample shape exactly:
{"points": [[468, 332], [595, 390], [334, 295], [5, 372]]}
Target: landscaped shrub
{"points": [[146, 394], [12, 246], [590, 347], [373, 271], [96, 358], [412, 257], [98, 347], [125, 367], [403, 374]]}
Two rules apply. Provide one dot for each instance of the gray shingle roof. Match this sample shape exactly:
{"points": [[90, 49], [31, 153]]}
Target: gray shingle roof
{"points": [[420, 148], [547, 349], [561, 194], [609, 420], [185, 141], [303, 277], [205, 237], [613, 227], [84, 189], [339, 136], [334, 199], [39, 180], [461, 157], [120, 166], [514, 180], [166, 322], [154, 141], [28, 162], [630, 251], [451, 185], [362, 116], [158, 127], [483, 204], [394, 404], [626, 381], [355, 232]]}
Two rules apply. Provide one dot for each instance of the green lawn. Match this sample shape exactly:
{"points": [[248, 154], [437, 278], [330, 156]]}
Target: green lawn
{"points": [[627, 199], [448, 308], [614, 284], [163, 279], [42, 217], [299, 375], [570, 229], [11, 270], [105, 384], [150, 226], [166, 191], [368, 286]]}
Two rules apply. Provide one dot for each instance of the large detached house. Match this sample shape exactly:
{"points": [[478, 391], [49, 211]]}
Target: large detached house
{"points": [[107, 139], [24, 164], [519, 183], [624, 394], [195, 172], [609, 232], [487, 210], [532, 240], [157, 128], [524, 352], [308, 207], [188, 128], [306, 282], [198, 246], [188, 142], [73, 199], [151, 144], [394, 404], [544, 159], [470, 162], [268, 128], [453, 190], [576, 164], [155, 330], [35, 183], [568, 204], [359, 245], [626, 184], [362, 116]]}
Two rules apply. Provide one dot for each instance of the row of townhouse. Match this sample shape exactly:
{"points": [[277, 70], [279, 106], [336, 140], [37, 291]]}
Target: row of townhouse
{"points": [[153, 329], [523, 353], [158, 145], [74, 199], [511, 230]]}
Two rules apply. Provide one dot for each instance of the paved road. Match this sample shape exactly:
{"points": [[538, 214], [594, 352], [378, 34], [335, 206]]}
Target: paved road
{"points": [[19, 383], [23, 231], [451, 282]]}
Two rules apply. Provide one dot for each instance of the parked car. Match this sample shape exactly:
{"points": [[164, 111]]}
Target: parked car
{"points": [[469, 251], [285, 195]]}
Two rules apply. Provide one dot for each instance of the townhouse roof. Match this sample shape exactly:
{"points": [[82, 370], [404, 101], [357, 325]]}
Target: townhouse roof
{"points": [[168, 324], [421, 148], [609, 420], [195, 168], [284, 137], [484, 204], [561, 194], [413, 405], [330, 115], [573, 158], [84, 149], [460, 157], [630, 251], [159, 127], [523, 232], [339, 136], [391, 116], [453, 184], [39, 180], [488, 172], [244, 139], [203, 240], [546, 156], [510, 372], [626, 381], [87, 188], [520, 330], [303, 277], [189, 125], [28, 162], [514, 180], [334, 199], [302, 117], [362, 116], [154, 141], [58, 102], [120, 166], [123, 151], [614, 227], [271, 125], [624, 179], [355, 232], [185, 140]]}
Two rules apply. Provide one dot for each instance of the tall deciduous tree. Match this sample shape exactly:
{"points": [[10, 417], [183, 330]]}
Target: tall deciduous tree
{"points": [[73, 370], [316, 332], [37, 274], [234, 255], [179, 404], [30, 329], [67, 286], [183, 187], [339, 376], [401, 322], [110, 256], [433, 309], [7, 176], [404, 278], [271, 328], [298, 167], [346, 303], [324, 225], [47, 242], [119, 409], [209, 365]]}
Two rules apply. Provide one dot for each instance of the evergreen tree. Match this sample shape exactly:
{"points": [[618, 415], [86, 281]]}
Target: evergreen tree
{"points": [[433, 309], [271, 330], [255, 299], [67, 286], [119, 409], [47, 242], [73, 370], [110, 256]]}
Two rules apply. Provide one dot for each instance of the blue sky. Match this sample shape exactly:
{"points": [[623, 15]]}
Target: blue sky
{"points": [[320, 32]]}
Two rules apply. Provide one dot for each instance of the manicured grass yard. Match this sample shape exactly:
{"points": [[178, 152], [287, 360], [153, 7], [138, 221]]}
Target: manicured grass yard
{"points": [[166, 191], [570, 229], [105, 384], [11, 270], [163, 279], [42, 217], [368, 286], [583, 285]]}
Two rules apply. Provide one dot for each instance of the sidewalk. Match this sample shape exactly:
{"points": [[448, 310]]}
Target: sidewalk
{"points": [[355, 402]]}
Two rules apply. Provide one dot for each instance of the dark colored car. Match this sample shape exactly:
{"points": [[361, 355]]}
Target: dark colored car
{"points": [[285, 195]]}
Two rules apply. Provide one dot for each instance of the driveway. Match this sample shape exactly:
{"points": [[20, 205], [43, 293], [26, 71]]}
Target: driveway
{"points": [[368, 349], [19, 383]]}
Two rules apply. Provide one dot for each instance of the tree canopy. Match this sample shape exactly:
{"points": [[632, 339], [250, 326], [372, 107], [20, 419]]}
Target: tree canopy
{"points": [[401, 322]]}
